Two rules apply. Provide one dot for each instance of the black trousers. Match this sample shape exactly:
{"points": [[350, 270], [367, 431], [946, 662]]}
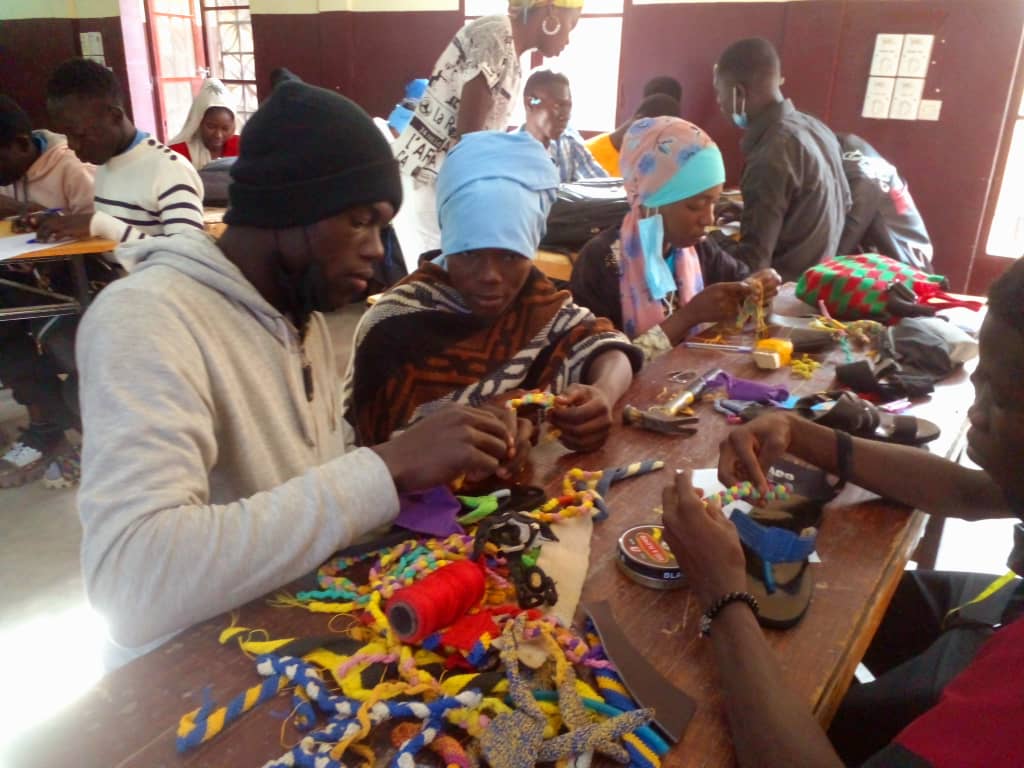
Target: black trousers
{"points": [[33, 371], [912, 658]]}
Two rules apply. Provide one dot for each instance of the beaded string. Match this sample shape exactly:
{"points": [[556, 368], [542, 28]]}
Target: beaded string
{"points": [[747, 491], [752, 308], [536, 397], [339, 719], [546, 400]]}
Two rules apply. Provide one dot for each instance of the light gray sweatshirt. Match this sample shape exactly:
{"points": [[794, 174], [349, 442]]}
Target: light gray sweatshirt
{"points": [[208, 478]]}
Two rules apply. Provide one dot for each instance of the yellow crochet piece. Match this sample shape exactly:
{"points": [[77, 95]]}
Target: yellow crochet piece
{"points": [[805, 367]]}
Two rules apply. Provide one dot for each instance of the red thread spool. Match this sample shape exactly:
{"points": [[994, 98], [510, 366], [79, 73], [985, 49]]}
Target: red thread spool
{"points": [[437, 601]]}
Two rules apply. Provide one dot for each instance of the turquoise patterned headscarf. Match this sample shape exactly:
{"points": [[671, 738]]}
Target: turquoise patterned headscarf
{"points": [[664, 160]]}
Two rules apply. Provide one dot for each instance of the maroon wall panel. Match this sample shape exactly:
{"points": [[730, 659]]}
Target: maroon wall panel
{"points": [[948, 163], [393, 48], [826, 49], [30, 49], [810, 50], [286, 40], [685, 41], [367, 56]]}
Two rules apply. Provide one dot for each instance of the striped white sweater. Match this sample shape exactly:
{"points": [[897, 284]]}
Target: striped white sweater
{"points": [[146, 191]]}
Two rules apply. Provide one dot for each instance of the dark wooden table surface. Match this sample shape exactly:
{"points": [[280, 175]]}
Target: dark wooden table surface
{"points": [[130, 717]]}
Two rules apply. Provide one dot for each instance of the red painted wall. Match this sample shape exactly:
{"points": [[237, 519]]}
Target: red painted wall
{"points": [[369, 57], [826, 49], [30, 49], [825, 45]]}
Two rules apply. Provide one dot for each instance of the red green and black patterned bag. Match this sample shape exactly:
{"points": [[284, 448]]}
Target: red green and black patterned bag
{"points": [[867, 285]]}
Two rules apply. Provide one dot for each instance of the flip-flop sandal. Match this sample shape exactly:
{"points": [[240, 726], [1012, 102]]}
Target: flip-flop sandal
{"points": [[794, 514], [846, 411], [777, 570]]}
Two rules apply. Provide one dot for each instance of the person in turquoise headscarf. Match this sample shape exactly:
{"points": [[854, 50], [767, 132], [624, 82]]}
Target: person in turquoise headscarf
{"points": [[646, 274], [480, 323]]}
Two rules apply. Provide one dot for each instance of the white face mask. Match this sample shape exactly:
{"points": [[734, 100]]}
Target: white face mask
{"points": [[739, 117]]}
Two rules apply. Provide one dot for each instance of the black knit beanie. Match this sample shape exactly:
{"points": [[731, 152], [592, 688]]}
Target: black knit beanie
{"points": [[306, 155]]}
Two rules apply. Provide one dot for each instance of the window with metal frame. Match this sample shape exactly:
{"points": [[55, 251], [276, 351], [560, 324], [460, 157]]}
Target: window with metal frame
{"points": [[227, 26], [590, 61]]}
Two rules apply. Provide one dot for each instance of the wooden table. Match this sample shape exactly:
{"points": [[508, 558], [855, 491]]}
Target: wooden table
{"points": [[129, 719], [74, 254]]}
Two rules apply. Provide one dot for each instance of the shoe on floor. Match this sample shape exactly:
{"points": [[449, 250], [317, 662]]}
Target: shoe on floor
{"points": [[27, 457], [65, 470]]}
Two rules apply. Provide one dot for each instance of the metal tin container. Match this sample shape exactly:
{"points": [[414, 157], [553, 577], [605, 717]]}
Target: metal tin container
{"points": [[645, 558]]}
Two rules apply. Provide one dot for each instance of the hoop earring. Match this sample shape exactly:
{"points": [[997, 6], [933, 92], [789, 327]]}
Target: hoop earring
{"points": [[551, 32]]}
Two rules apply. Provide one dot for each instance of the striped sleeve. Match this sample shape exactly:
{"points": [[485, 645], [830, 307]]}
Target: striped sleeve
{"points": [[584, 164], [180, 207], [113, 228]]}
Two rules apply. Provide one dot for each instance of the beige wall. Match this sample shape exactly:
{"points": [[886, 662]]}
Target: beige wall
{"points": [[321, 6], [58, 9]]}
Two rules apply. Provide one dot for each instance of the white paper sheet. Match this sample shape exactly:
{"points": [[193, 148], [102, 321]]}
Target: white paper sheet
{"points": [[930, 109], [878, 99], [906, 98], [886, 59], [916, 55], [16, 245]]}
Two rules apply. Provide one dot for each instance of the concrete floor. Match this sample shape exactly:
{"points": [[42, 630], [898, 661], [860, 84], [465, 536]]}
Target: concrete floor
{"points": [[44, 603]]}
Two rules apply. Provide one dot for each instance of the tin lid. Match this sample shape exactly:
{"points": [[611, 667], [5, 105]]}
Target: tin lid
{"points": [[642, 549]]}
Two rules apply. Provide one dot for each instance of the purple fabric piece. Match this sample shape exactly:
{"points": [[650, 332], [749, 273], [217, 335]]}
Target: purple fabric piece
{"points": [[744, 389], [432, 511]]}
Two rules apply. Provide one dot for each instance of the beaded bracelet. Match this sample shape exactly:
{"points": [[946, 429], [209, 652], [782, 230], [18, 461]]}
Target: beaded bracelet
{"points": [[720, 603]]}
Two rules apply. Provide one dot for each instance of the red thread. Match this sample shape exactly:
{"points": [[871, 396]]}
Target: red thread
{"points": [[436, 601]]}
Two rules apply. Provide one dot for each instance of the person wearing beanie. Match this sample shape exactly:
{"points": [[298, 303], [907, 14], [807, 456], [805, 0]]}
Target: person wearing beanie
{"points": [[215, 467], [646, 274], [473, 87], [143, 189], [481, 323]]}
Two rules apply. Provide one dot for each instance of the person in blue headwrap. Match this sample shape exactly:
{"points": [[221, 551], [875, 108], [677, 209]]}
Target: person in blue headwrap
{"points": [[480, 323]]}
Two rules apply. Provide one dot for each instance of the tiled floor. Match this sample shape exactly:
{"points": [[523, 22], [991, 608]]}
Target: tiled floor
{"points": [[44, 615]]}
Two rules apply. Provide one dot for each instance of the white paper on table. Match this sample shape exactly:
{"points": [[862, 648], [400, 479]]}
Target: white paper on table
{"points": [[885, 62], [878, 98], [16, 245], [916, 55], [906, 98]]}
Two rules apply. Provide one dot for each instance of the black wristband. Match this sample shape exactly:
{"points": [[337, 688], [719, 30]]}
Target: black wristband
{"points": [[720, 603], [844, 458]]}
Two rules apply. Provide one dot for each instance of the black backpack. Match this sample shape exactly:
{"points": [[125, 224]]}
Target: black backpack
{"points": [[216, 178], [582, 210]]}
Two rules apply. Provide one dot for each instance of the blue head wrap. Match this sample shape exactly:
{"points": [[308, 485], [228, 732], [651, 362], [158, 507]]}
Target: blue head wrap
{"points": [[495, 191]]}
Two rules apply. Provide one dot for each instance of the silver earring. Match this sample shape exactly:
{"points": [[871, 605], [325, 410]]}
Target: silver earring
{"points": [[551, 32]]}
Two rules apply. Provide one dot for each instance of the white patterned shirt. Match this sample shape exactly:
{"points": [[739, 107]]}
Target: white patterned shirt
{"points": [[482, 47]]}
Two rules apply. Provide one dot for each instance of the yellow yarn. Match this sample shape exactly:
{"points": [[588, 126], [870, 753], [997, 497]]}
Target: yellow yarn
{"points": [[637, 743], [215, 720]]}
